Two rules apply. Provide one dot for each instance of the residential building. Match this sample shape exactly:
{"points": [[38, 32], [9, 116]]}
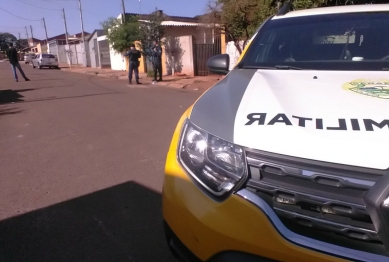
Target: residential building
{"points": [[32, 46], [188, 44], [74, 55], [98, 53]]}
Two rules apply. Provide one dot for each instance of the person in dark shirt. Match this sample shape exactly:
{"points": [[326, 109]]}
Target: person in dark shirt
{"points": [[12, 55], [157, 60], [133, 57]]}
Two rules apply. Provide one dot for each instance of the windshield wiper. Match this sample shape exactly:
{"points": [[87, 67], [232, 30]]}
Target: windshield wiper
{"points": [[286, 67]]}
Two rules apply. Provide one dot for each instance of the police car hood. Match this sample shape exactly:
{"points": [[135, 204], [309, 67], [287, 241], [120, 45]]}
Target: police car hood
{"points": [[331, 116]]}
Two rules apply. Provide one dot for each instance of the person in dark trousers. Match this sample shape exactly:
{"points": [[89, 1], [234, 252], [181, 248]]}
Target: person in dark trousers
{"points": [[157, 60], [133, 57], [12, 55]]}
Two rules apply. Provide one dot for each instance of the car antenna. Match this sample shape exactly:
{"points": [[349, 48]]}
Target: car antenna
{"points": [[288, 6]]}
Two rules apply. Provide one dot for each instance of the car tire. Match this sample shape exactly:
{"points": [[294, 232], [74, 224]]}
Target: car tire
{"points": [[39, 66]]}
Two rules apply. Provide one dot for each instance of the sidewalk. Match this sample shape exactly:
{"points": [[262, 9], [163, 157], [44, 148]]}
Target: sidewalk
{"points": [[200, 83]]}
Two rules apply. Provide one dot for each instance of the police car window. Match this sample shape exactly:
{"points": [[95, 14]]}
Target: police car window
{"points": [[317, 40]]}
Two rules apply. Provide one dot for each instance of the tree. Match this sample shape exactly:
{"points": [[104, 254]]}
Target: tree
{"points": [[120, 36], [21, 43], [6, 39], [305, 4], [237, 19], [151, 30]]}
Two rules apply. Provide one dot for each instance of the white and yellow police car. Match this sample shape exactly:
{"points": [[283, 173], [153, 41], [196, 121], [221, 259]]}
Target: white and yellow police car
{"points": [[285, 159]]}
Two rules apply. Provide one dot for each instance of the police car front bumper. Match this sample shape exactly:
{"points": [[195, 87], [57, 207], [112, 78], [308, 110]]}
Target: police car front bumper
{"points": [[242, 225]]}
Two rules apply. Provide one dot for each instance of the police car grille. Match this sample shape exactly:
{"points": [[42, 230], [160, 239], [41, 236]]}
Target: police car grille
{"points": [[316, 196]]}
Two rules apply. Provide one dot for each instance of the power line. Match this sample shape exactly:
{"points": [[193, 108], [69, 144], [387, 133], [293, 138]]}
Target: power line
{"points": [[19, 16], [38, 6], [86, 11], [59, 0], [141, 4], [4, 26]]}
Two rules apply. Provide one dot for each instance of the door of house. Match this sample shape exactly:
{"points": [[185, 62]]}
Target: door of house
{"points": [[202, 52], [96, 51]]}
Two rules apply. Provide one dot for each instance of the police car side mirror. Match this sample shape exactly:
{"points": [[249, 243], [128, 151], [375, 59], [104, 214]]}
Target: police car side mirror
{"points": [[219, 64]]}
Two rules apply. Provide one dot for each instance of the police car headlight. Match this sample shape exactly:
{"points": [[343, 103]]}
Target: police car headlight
{"points": [[215, 164]]}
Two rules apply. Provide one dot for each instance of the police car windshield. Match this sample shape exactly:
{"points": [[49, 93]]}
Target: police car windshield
{"points": [[357, 41]]}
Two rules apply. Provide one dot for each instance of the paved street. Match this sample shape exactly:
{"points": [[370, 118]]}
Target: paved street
{"points": [[81, 166]]}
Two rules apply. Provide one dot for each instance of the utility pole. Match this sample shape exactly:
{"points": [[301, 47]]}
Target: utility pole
{"points": [[67, 39], [26, 33], [124, 12], [83, 49], [19, 36], [47, 41], [32, 35]]}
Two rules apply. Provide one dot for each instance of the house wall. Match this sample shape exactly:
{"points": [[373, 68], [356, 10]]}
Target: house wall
{"points": [[41, 48], [200, 35], [183, 38], [117, 60], [233, 52], [179, 55], [223, 43], [61, 51]]}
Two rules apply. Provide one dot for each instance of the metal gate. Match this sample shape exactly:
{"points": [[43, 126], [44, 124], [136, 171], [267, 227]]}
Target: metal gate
{"points": [[202, 52], [105, 58], [53, 49]]}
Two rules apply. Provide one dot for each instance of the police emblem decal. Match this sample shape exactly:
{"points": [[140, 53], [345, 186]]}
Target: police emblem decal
{"points": [[373, 88]]}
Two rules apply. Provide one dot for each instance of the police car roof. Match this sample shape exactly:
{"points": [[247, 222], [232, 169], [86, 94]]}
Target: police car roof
{"points": [[336, 10]]}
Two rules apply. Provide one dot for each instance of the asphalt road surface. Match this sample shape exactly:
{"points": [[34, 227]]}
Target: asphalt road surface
{"points": [[81, 167]]}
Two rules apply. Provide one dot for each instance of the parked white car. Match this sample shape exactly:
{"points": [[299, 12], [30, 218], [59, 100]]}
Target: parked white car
{"points": [[45, 60], [28, 58]]}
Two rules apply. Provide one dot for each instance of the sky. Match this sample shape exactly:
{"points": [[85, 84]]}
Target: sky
{"points": [[30, 13]]}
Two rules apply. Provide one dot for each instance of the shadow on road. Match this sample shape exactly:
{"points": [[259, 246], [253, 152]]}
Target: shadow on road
{"points": [[9, 111], [46, 79], [122, 223], [11, 96]]}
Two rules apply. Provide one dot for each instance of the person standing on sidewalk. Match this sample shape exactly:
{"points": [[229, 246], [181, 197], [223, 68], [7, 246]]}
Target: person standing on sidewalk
{"points": [[157, 60], [133, 58], [12, 55]]}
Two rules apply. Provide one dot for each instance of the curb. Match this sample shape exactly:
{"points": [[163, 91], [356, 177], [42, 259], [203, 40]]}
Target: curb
{"points": [[125, 77]]}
